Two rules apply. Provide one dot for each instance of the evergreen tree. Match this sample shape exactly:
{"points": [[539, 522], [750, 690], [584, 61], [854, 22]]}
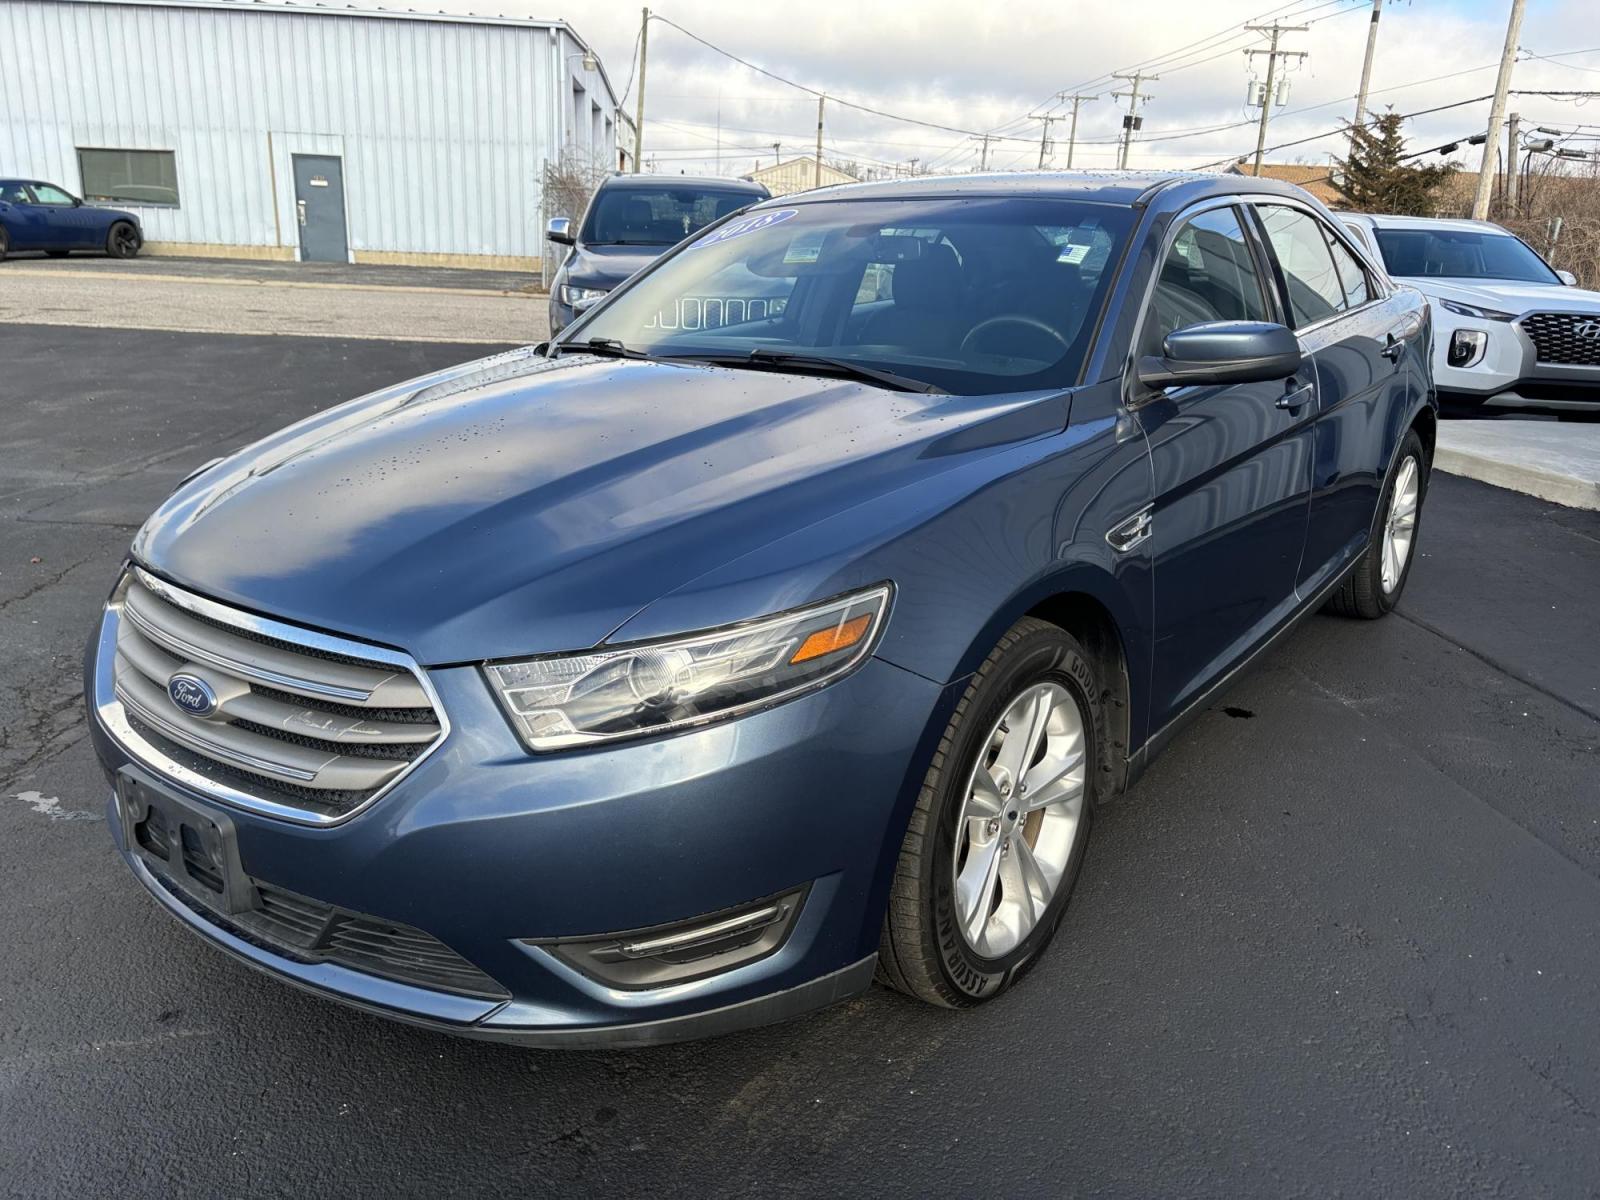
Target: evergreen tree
{"points": [[1375, 177]]}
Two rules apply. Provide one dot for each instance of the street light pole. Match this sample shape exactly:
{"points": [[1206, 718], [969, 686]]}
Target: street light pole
{"points": [[1366, 65], [1497, 113], [816, 180], [638, 120]]}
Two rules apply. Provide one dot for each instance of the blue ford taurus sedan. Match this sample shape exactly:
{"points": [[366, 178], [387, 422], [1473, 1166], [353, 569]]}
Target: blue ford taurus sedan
{"points": [[40, 216], [666, 680]]}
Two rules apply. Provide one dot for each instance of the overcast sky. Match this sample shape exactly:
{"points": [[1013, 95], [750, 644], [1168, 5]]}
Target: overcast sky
{"points": [[987, 67]]}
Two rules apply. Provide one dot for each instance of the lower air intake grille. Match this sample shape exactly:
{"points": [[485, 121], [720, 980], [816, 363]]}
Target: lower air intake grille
{"points": [[1567, 339], [305, 930]]}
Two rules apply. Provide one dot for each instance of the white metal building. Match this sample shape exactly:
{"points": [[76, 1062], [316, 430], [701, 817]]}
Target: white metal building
{"points": [[284, 130]]}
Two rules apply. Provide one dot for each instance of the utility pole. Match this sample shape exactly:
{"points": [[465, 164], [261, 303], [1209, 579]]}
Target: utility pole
{"points": [[1044, 134], [638, 121], [1072, 130], [1513, 149], [817, 178], [1497, 112], [983, 155], [1131, 120], [1273, 55], [1366, 66]]}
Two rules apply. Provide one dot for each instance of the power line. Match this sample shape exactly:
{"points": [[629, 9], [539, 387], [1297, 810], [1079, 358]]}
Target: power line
{"points": [[866, 108]]}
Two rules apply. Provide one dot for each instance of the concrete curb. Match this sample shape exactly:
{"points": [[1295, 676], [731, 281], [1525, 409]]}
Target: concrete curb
{"points": [[1508, 459]]}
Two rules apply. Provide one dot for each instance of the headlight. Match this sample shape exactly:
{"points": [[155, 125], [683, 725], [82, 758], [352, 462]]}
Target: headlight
{"points": [[1482, 314], [585, 699], [571, 296]]}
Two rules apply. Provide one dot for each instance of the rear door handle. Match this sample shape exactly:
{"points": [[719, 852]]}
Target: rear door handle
{"points": [[1297, 398]]}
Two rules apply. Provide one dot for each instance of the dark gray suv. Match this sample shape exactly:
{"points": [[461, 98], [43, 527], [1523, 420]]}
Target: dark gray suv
{"points": [[631, 221]]}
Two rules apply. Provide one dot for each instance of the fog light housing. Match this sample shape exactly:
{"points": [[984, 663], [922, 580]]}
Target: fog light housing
{"points": [[662, 955], [1467, 347]]}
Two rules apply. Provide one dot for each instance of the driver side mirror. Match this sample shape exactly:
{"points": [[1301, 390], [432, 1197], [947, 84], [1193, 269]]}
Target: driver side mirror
{"points": [[559, 230], [77, 202], [1568, 278], [1222, 352]]}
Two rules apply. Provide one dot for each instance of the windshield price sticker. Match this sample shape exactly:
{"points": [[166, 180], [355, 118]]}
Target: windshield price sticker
{"points": [[746, 225], [806, 247]]}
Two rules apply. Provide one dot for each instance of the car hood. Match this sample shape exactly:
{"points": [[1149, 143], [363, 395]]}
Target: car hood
{"points": [[523, 505], [1516, 298], [607, 266]]}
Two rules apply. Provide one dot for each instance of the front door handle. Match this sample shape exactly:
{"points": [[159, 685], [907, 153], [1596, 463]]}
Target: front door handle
{"points": [[1393, 348], [1296, 398]]}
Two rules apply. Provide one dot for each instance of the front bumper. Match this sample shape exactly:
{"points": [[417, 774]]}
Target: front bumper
{"points": [[487, 848], [1510, 374]]}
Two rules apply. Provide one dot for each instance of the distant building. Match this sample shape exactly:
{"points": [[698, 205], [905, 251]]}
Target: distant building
{"points": [[798, 174], [282, 129], [1313, 178]]}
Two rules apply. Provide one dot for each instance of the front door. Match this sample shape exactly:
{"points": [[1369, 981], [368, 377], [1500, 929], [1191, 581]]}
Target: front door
{"points": [[1231, 467], [319, 208], [65, 224]]}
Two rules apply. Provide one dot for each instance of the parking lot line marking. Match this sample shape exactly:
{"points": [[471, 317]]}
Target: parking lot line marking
{"points": [[233, 281]]}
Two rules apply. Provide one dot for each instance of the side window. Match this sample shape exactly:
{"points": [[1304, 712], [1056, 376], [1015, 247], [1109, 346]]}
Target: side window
{"points": [[45, 193], [12, 193], [1209, 275], [1302, 252], [1357, 291]]}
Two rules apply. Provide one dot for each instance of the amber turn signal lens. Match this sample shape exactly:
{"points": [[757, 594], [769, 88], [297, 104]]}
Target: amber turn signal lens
{"points": [[826, 641]]}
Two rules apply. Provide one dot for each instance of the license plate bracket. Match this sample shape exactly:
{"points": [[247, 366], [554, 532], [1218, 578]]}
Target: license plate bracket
{"points": [[192, 846]]}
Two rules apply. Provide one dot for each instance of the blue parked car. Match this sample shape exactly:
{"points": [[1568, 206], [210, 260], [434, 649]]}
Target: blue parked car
{"points": [[41, 216], [631, 221], [668, 680]]}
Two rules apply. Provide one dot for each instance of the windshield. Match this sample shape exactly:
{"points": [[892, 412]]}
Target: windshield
{"points": [[969, 296], [1461, 254], [664, 216]]}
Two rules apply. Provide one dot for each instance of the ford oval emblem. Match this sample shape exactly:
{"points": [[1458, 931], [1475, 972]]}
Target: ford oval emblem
{"points": [[192, 694]]}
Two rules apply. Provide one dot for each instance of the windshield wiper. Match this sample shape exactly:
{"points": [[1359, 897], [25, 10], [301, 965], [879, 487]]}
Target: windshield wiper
{"points": [[603, 346], [786, 360]]}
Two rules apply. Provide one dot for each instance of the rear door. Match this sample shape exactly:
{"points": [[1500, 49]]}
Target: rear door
{"points": [[25, 220], [1354, 325], [1231, 466]]}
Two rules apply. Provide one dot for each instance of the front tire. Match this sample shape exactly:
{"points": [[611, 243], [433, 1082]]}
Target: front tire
{"points": [[986, 868], [5, 244], [123, 241], [1375, 586]]}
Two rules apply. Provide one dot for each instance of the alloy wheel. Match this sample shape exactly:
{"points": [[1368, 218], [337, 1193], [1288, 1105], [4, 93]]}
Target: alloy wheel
{"points": [[1021, 819], [1400, 528]]}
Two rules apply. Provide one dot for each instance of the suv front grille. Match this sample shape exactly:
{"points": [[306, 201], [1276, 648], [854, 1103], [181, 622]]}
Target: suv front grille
{"points": [[313, 728], [1568, 339], [306, 930]]}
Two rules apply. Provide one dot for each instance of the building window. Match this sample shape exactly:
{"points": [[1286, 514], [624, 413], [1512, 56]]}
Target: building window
{"points": [[130, 176]]}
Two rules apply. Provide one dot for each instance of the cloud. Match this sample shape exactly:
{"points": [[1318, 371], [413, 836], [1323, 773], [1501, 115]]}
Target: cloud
{"points": [[987, 67]]}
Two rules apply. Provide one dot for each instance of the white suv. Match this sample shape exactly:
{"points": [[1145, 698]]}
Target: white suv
{"points": [[1510, 331]]}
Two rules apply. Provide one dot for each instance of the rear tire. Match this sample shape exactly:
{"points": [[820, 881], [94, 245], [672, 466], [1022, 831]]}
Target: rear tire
{"points": [[5, 244], [1375, 586], [945, 939], [123, 240]]}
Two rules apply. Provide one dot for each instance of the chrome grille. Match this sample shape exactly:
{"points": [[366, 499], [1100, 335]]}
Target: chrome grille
{"points": [[305, 726], [1570, 339]]}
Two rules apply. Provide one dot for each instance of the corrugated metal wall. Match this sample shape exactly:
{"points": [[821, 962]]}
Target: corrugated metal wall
{"points": [[444, 126]]}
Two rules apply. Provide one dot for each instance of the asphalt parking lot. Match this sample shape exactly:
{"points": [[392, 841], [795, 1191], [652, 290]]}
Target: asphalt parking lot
{"points": [[1340, 940]]}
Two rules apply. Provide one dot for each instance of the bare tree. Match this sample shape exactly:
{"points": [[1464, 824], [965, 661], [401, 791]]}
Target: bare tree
{"points": [[569, 183], [1558, 214]]}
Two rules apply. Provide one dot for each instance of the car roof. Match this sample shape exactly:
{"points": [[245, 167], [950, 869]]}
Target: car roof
{"points": [[1458, 224], [1104, 187], [657, 182]]}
